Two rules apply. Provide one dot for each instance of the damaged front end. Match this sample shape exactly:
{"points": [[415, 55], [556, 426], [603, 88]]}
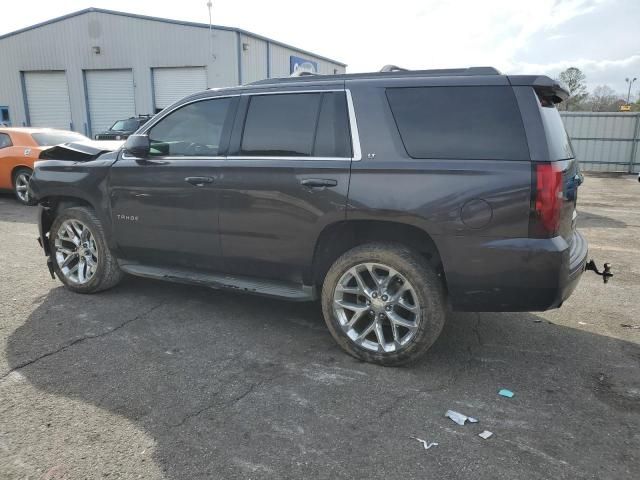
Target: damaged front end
{"points": [[70, 174]]}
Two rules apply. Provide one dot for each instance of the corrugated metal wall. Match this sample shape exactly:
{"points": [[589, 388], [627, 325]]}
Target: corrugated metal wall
{"points": [[133, 43], [605, 142]]}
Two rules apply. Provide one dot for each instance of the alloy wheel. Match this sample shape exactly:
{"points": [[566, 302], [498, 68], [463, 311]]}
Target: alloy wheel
{"points": [[22, 186], [377, 307], [76, 251]]}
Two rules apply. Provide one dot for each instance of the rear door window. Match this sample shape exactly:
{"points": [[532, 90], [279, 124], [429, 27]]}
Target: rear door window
{"points": [[476, 122], [297, 125]]}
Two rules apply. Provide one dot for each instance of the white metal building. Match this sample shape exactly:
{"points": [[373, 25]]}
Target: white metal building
{"points": [[87, 69]]}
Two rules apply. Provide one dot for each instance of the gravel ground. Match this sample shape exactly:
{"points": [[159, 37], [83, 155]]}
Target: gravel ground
{"points": [[153, 380]]}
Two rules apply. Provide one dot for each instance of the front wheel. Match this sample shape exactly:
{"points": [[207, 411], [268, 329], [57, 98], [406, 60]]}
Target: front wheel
{"points": [[383, 303], [81, 258]]}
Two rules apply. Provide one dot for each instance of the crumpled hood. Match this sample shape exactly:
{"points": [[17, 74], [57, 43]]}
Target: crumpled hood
{"points": [[82, 151]]}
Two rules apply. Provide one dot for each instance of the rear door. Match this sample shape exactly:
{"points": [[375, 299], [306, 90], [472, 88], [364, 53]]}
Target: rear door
{"points": [[165, 208], [285, 179]]}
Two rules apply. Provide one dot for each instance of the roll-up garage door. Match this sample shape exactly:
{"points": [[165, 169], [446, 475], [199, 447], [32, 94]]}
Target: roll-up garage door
{"points": [[48, 99], [111, 97], [172, 84]]}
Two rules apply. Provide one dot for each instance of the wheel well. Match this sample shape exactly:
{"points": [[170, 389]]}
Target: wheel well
{"points": [[15, 169], [339, 237], [54, 204]]}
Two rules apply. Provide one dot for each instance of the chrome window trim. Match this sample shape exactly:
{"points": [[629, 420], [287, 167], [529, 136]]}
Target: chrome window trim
{"points": [[276, 158], [353, 126]]}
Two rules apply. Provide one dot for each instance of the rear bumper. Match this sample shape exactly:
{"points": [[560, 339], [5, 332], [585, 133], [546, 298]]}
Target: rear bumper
{"points": [[522, 274]]}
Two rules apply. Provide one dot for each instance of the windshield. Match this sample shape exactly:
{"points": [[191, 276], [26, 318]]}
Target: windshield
{"points": [[47, 139], [128, 125]]}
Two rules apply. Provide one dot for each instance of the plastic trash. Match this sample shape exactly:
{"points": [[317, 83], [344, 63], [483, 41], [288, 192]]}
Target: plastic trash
{"points": [[506, 393], [486, 434], [424, 443], [459, 418]]}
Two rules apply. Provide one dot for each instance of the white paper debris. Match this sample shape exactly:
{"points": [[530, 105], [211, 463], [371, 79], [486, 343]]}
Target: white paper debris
{"points": [[424, 443], [486, 434], [459, 418]]}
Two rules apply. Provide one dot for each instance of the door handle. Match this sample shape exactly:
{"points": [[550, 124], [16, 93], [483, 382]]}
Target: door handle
{"points": [[319, 182], [198, 181]]}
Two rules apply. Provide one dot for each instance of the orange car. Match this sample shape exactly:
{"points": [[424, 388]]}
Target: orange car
{"points": [[20, 148]]}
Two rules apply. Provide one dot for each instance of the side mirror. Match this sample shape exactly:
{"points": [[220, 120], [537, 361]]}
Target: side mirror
{"points": [[138, 146]]}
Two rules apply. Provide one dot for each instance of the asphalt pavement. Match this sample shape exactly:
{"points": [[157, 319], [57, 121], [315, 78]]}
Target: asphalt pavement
{"points": [[161, 381]]}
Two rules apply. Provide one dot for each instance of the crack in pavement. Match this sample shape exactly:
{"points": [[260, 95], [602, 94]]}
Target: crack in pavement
{"points": [[233, 401], [80, 340]]}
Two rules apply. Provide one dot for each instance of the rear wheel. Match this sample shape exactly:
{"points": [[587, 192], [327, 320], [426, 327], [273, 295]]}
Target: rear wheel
{"points": [[383, 303], [81, 258], [21, 179]]}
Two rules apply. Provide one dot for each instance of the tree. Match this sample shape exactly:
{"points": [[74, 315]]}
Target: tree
{"points": [[574, 81], [603, 99]]}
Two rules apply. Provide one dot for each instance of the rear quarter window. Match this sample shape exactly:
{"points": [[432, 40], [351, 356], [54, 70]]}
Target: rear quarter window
{"points": [[477, 122], [557, 139]]}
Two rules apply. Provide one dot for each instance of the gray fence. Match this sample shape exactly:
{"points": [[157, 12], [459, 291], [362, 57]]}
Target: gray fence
{"points": [[605, 142]]}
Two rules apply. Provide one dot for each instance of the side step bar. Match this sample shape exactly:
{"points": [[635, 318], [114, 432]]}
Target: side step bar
{"points": [[257, 286]]}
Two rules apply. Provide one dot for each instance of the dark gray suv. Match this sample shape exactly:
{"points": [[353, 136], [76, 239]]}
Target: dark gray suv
{"points": [[388, 196]]}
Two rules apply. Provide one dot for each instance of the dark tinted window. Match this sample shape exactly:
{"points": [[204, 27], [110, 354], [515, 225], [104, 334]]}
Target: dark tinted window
{"points": [[193, 130], [332, 137], [128, 125], [557, 138], [5, 141], [56, 138], [281, 125], [459, 122]]}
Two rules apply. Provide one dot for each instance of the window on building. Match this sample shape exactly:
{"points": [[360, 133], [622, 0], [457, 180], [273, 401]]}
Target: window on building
{"points": [[459, 122], [192, 130], [297, 125], [4, 116]]}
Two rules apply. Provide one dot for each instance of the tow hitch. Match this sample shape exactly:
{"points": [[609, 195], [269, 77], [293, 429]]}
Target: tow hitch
{"points": [[606, 270]]}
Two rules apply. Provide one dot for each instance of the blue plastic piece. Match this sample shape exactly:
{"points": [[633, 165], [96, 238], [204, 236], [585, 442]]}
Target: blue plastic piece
{"points": [[505, 393]]}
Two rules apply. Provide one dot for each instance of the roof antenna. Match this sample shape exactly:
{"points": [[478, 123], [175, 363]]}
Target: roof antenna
{"points": [[211, 54]]}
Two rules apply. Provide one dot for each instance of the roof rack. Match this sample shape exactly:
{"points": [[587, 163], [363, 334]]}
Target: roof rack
{"points": [[387, 71], [393, 68], [302, 73]]}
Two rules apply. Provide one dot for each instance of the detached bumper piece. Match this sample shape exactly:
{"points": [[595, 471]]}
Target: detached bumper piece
{"points": [[605, 273], [49, 261]]}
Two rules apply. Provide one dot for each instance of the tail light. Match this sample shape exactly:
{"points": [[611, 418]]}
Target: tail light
{"points": [[546, 200]]}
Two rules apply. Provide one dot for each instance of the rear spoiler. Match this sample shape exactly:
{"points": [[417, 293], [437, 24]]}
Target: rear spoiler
{"points": [[543, 85], [82, 151]]}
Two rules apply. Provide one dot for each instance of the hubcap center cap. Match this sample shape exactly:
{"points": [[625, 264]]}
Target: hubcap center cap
{"points": [[377, 304]]}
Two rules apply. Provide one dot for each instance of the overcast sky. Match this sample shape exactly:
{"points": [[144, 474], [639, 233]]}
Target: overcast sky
{"points": [[517, 36]]}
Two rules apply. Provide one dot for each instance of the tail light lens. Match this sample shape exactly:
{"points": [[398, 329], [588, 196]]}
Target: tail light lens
{"points": [[546, 200]]}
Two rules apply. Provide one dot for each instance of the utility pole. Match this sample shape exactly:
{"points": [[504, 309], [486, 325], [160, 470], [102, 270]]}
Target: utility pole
{"points": [[211, 55], [630, 82]]}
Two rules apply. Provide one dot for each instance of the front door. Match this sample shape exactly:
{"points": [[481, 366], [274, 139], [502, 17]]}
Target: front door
{"points": [[165, 207], [285, 179]]}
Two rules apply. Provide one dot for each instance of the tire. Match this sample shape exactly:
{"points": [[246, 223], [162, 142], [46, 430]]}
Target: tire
{"points": [[21, 179], [106, 273], [424, 295]]}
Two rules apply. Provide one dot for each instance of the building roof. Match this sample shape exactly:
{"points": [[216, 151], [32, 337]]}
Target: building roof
{"points": [[167, 20]]}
